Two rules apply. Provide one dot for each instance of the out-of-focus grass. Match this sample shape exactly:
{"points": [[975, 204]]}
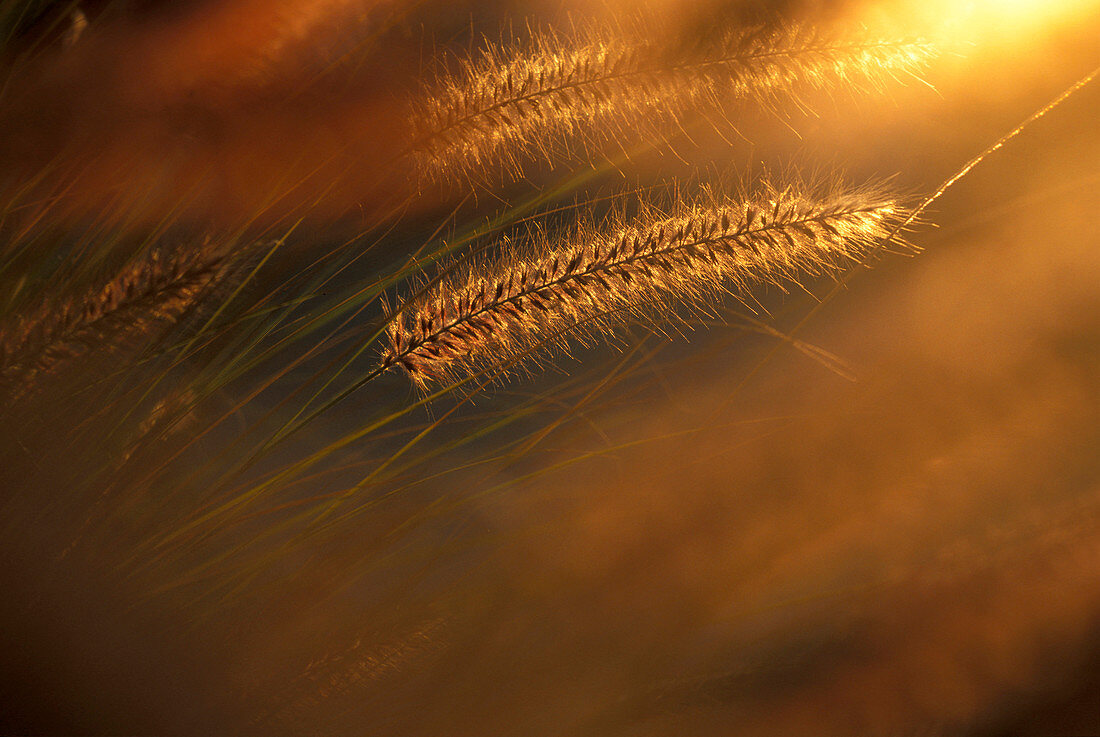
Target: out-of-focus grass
{"points": [[685, 536]]}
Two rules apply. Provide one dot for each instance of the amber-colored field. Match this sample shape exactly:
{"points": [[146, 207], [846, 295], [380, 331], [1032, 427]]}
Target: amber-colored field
{"points": [[517, 367]]}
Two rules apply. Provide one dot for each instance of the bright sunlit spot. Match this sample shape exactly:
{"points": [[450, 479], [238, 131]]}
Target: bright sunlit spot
{"points": [[999, 19], [1032, 11]]}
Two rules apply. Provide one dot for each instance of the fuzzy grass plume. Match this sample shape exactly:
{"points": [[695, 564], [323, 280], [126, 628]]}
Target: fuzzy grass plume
{"points": [[637, 268], [503, 107], [147, 296], [347, 676]]}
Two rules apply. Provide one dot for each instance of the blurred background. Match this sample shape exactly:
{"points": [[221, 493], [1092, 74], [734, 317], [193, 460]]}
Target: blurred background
{"points": [[880, 520]]}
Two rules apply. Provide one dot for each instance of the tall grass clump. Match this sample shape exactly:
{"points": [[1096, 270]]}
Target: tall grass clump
{"points": [[211, 452]]}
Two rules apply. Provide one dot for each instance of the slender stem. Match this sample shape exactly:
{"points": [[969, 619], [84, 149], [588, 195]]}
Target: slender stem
{"points": [[950, 182]]}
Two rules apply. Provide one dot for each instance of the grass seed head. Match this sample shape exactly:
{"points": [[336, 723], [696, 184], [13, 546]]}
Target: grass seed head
{"points": [[634, 269]]}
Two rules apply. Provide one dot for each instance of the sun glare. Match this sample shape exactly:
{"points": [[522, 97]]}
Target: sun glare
{"points": [[1003, 18]]}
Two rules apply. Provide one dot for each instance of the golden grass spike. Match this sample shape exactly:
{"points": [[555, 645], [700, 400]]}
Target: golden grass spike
{"points": [[146, 296], [636, 269], [506, 106]]}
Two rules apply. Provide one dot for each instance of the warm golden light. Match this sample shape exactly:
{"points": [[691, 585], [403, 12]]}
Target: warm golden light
{"points": [[1018, 7], [550, 367], [996, 19]]}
